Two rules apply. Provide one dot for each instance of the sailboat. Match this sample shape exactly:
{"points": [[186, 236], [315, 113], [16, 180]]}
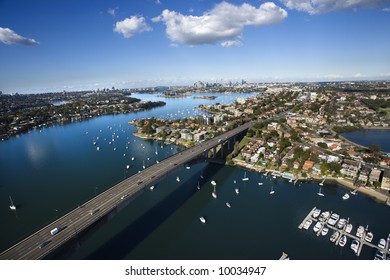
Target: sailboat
{"points": [[156, 151], [245, 178], [178, 179], [143, 164], [214, 194], [272, 190], [198, 186], [12, 206], [237, 190], [320, 193]]}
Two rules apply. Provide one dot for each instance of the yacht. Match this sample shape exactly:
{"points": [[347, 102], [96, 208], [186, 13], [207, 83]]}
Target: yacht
{"points": [[97, 148], [214, 194], [260, 184], [333, 219], [228, 204], [307, 223], [355, 246], [202, 219], [178, 179], [341, 223], [345, 196], [334, 236], [245, 178], [324, 231], [359, 232], [348, 229], [272, 190], [151, 188], [379, 255], [127, 166], [320, 193], [317, 227], [369, 236], [213, 183], [343, 241], [124, 196], [324, 216], [316, 213], [382, 243]]}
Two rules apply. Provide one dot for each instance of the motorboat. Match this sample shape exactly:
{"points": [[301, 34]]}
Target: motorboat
{"points": [[333, 219], [334, 236], [260, 184], [213, 183], [324, 231], [127, 166], [317, 226], [341, 223], [228, 204], [345, 196], [324, 216], [308, 224], [359, 232], [369, 236], [272, 190], [379, 255], [214, 194], [348, 228], [355, 246], [343, 241], [316, 213], [320, 193], [237, 191], [382, 243], [151, 188], [188, 167], [178, 179], [202, 219], [245, 178]]}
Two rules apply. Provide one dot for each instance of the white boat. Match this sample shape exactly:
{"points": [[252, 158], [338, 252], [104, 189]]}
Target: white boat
{"points": [[260, 184], [237, 190], [324, 216], [143, 164], [359, 231], [228, 204], [198, 186], [333, 219], [345, 196], [334, 236], [151, 188], [97, 148], [245, 178], [202, 219], [12, 205], [343, 241], [320, 193], [307, 223], [156, 151], [355, 246], [272, 190], [187, 167], [324, 231], [382, 243], [214, 194], [132, 158], [213, 183], [178, 179], [379, 255], [127, 166], [348, 229], [369, 236], [317, 227], [341, 223], [316, 213]]}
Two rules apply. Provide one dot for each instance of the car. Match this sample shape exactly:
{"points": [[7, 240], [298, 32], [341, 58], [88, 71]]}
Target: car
{"points": [[43, 244]]}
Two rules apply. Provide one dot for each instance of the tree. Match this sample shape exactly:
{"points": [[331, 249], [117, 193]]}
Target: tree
{"points": [[322, 145], [374, 148]]}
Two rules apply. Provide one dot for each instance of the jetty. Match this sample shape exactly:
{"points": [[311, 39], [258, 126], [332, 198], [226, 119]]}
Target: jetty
{"points": [[342, 232]]}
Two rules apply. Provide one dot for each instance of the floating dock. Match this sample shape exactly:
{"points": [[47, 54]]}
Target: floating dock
{"points": [[342, 232]]}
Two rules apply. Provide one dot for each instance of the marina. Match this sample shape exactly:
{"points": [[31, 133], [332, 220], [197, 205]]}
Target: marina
{"points": [[340, 235]]}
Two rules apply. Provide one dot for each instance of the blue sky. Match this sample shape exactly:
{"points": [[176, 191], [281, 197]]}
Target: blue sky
{"points": [[71, 45]]}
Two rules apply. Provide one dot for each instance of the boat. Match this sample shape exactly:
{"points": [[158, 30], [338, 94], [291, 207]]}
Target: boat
{"points": [[379, 255], [198, 186], [369, 236], [359, 231], [202, 219], [237, 190], [97, 148], [382, 243], [228, 204], [345, 196], [343, 241], [151, 188], [334, 236], [320, 193], [245, 178], [348, 228], [124, 196], [187, 167], [156, 151], [308, 224], [284, 257], [178, 179], [127, 166], [354, 192], [333, 219], [355, 246], [324, 231], [316, 213], [272, 190], [132, 158], [213, 183], [143, 164], [341, 223], [260, 184], [12, 205], [214, 194], [324, 216], [317, 227]]}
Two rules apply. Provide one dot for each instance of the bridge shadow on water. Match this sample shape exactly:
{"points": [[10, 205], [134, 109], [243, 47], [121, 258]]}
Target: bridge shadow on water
{"points": [[126, 240]]}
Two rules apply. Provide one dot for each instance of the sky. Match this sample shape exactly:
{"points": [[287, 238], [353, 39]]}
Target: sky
{"points": [[71, 45]]}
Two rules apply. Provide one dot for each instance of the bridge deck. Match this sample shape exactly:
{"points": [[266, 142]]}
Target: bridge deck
{"points": [[90, 212]]}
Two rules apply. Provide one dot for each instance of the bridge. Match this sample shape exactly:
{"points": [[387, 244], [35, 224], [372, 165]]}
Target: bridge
{"points": [[43, 243]]}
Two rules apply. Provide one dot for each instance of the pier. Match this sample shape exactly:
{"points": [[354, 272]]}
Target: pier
{"points": [[342, 232]]}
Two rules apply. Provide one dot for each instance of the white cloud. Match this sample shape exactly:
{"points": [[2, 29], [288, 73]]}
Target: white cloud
{"points": [[224, 22], [231, 43], [323, 6], [359, 75], [112, 11], [386, 9], [158, 2], [129, 26], [9, 37], [332, 76]]}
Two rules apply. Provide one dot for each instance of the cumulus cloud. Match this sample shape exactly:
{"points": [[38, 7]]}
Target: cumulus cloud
{"points": [[9, 37], [132, 25], [323, 6], [225, 22]]}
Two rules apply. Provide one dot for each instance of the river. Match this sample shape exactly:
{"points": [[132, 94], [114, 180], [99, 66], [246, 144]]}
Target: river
{"points": [[49, 172]]}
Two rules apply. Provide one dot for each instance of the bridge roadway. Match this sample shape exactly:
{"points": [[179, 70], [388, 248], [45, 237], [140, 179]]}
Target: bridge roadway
{"points": [[90, 212]]}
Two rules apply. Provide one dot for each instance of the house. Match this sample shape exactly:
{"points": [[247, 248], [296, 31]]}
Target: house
{"points": [[364, 173], [375, 176], [199, 136], [308, 165], [186, 135], [386, 180], [350, 168]]}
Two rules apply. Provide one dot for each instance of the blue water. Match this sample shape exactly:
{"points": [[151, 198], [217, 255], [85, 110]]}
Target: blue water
{"points": [[369, 137], [49, 172]]}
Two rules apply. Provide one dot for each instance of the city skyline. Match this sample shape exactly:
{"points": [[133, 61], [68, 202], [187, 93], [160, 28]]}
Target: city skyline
{"points": [[72, 45]]}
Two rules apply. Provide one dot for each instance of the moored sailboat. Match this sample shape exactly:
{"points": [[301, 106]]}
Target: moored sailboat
{"points": [[12, 205]]}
